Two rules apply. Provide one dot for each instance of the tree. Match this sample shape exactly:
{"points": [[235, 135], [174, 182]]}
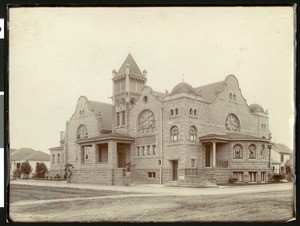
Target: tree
{"points": [[26, 168], [40, 170]]}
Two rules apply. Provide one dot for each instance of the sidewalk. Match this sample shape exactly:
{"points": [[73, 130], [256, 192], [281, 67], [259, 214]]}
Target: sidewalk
{"points": [[160, 189]]}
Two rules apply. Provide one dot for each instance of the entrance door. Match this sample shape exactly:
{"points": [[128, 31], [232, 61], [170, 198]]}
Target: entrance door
{"points": [[121, 158], [174, 170], [207, 156]]}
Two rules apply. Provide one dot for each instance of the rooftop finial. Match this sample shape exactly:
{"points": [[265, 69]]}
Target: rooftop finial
{"points": [[182, 77]]}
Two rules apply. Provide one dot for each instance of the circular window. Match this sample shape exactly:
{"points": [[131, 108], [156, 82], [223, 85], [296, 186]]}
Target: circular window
{"points": [[132, 101], [145, 99]]}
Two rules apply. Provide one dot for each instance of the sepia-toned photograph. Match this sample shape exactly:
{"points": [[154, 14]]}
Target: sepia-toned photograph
{"points": [[151, 114]]}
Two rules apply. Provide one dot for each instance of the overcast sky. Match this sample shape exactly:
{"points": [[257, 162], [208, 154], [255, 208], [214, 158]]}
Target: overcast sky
{"points": [[59, 54]]}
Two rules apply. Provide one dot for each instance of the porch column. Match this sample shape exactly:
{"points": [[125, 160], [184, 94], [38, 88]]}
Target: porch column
{"points": [[112, 154], [214, 155]]}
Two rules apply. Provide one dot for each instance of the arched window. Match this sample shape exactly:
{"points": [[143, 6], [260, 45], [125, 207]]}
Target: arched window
{"points": [[195, 112], [191, 111], [146, 122], [230, 96], [58, 158], [232, 123], [234, 96], [53, 159], [171, 112], [174, 134], [82, 132], [176, 111], [252, 152], [192, 134], [238, 151]]}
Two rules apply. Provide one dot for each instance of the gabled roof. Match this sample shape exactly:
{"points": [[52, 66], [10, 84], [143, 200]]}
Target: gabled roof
{"points": [[133, 67], [208, 92], [29, 154], [106, 112], [231, 136], [283, 149]]}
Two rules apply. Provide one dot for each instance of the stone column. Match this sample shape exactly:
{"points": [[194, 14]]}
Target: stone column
{"points": [[214, 154], [112, 154]]}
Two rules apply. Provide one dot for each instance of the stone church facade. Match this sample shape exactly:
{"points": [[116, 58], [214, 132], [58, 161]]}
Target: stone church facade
{"points": [[192, 136]]}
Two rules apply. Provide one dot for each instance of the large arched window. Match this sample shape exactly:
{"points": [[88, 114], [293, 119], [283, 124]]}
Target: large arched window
{"points": [[146, 122], [238, 151], [82, 132], [232, 123], [192, 134], [252, 152], [174, 134]]}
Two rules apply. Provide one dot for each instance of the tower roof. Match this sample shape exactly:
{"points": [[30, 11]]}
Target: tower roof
{"points": [[183, 87], [133, 67], [256, 108]]}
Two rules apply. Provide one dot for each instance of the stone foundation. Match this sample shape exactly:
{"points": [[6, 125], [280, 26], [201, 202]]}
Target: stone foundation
{"points": [[103, 176]]}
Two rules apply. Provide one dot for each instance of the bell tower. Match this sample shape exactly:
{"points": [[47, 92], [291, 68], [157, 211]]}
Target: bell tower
{"points": [[127, 85]]}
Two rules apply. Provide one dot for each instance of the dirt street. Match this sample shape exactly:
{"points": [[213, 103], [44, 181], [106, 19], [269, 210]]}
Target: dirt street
{"points": [[84, 205]]}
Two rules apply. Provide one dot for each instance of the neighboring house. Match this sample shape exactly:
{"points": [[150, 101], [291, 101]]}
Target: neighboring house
{"points": [[189, 136], [18, 156], [282, 159], [57, 159]]}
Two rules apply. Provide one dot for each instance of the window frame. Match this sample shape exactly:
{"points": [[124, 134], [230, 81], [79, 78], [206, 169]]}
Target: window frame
{"points": [[151, 175], [254, 151], [193, 133], [174, 132], [241, 151]]}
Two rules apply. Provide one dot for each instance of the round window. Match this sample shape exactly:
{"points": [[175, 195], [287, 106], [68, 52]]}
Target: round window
{"points": [[132, 101], [145, 99]]}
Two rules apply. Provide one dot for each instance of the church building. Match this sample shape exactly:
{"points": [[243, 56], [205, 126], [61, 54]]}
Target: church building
{"points": [[192, 136]]}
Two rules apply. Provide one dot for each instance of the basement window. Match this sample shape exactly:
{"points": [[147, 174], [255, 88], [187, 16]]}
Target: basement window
{"points": [[151, 175]]}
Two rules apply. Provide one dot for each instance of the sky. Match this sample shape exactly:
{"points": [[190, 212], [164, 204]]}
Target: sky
{"points": [[58, 54]]}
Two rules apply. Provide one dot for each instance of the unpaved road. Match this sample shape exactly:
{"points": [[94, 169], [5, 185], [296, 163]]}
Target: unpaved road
{"points": [[258, 206]]}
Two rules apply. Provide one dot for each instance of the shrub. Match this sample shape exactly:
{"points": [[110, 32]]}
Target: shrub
{"points": [[289, 177], [17, 174], [232, 180], [277, 177]]}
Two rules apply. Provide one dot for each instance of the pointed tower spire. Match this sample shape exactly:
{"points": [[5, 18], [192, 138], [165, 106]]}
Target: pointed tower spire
{"points": [[134, 69]]}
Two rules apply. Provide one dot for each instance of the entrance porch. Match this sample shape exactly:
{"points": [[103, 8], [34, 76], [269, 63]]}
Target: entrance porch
{"points": [[103, 159]]}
